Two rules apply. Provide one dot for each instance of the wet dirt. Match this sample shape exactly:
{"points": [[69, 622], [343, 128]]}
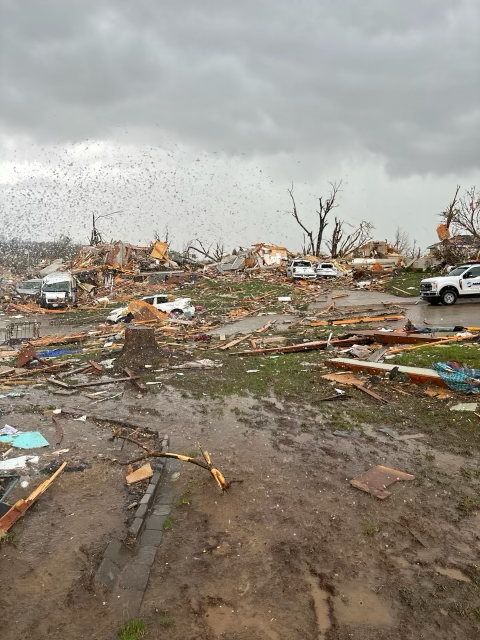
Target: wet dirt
{"points": [[288, 553]]}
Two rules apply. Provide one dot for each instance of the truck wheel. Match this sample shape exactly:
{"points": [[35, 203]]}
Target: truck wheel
{"points": [[449, 297]]}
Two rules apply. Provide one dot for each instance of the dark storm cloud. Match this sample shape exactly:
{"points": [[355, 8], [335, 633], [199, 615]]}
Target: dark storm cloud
{"points": [[400, 80]]}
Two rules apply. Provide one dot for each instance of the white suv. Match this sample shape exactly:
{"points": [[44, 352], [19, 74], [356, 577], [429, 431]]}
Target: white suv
{"points": [[461, 282]]}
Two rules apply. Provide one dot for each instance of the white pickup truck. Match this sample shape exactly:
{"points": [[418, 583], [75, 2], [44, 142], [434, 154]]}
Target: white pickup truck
{"points": [[301, 269], [462, 282]]}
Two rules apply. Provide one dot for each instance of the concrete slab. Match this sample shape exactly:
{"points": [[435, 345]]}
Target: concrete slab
{"points": [[134, 577], [135, 527], [146, 555], [155, 522], [108, 573], [151, 538], [162, 510], [118, 553]]}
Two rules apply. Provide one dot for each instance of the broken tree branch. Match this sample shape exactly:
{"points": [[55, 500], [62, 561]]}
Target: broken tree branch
{"points": [[207, 464]]}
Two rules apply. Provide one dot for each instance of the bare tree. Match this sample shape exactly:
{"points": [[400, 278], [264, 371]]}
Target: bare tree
{"points": [[342, 244], [401, 242], [315, 236], [449, 213], [216, 254], [466, 217]]}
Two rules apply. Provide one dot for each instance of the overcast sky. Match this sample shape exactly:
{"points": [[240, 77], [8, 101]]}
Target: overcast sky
{"points": [[199, 114]]}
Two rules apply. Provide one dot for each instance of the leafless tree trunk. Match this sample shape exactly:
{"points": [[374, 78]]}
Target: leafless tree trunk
{"points": [[342, 245], [401, 242], [315, 236], [451, 211], [466, 217], [216, 255]]}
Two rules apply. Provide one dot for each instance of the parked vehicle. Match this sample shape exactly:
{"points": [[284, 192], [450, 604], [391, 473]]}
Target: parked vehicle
{"points": [[326, 270], [301, 269], [58, 289], [29, 287], [177, 308], [462, 282]]}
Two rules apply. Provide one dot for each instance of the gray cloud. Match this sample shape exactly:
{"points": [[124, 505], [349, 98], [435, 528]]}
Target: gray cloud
{"points": [[261, 77]]}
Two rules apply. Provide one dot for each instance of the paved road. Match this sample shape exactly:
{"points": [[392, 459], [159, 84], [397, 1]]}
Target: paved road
{"points": [[464, 312]]}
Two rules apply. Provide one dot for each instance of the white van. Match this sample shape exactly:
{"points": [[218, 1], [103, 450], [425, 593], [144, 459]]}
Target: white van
{"points": [[58, 289]]}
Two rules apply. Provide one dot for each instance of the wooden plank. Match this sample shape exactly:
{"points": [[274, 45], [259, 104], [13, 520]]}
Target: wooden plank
{"points": [[19, 508], [135, 379], [397, 337], [140, 474], [417, 375], [324, 323], [305, 346], [89, 384], [433, 344]]}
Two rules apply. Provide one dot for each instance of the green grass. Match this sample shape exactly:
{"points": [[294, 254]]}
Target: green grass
{"points": [[463, 353], [405, 281], [468, 505], [166, 619], [369, 529], [168, 524], [133, 630]]}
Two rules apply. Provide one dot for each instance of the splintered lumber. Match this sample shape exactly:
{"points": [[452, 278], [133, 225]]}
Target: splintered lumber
{"points": [[324, 323], [340, 295], [89, 384], [140, 474], [352, 381], [397, 337], [377, 479], [305, 346], [135, 379], [432, 344], [403, 291], [19, 508], [417, 375], [247, 336]]}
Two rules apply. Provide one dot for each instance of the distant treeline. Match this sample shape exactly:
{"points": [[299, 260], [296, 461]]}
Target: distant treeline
{"points": [[22, 256]]}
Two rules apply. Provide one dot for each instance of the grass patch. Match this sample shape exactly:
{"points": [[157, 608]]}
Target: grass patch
{"points": [[468, 505], [166, 619], [370, 529], [186, 497], [405, 281], [168, 524], [133, 630]]}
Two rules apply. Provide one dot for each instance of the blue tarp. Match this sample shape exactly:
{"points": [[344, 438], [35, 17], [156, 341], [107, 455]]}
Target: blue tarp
{"points": [[51, 353], [458, 378], [27, 440]]}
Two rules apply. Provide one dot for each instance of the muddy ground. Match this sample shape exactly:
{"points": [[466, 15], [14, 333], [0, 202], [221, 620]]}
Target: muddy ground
{"points": [[292, 551]]}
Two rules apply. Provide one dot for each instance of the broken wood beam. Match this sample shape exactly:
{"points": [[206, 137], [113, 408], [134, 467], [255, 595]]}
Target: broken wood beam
{"points": [[135, 379], [19, 508], [324, 323], [417, 375], [432, 344], [305, 346], [89, 384], [397, 337]]}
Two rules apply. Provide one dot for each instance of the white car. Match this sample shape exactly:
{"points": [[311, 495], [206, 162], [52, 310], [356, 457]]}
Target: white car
{"points": [[176, 308], [301, 269], [326, 270]]}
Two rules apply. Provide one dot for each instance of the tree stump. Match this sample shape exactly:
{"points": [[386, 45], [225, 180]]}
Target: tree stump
{"points": [[140, 348]]}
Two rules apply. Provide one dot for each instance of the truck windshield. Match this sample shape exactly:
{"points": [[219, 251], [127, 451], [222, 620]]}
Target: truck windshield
{"points": [[57, 286], [302, 263], [458, 271]]}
